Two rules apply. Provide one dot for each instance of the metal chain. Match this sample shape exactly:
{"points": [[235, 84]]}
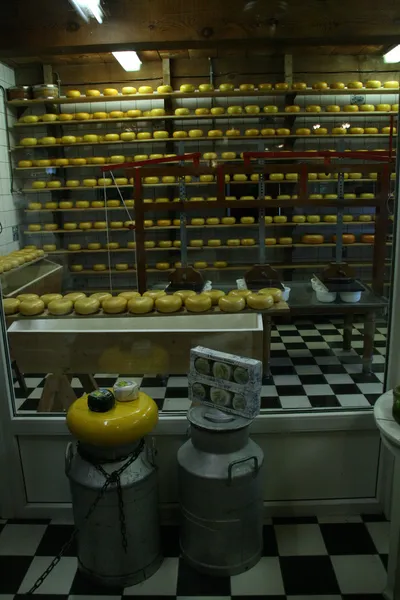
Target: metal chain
{"points": [[113, 477]]}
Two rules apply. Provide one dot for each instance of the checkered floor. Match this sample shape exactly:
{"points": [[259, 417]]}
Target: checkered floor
{"points": [[309, 371], [307, 558]]}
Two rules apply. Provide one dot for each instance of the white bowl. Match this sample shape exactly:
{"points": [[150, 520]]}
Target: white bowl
{"points": [[350, 296], [315, 284], [323, 296], [286, 293]]}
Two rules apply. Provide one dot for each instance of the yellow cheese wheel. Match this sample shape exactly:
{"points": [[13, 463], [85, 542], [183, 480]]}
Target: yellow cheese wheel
{"points": [[220, 264], [23, 297], [164, 222], [367, 107], [391, 84], [332, 108], [34, 227], [100, 115], [46, 118], [215, 133], [246, 87], [330, 218], [313, 108], [49, 140], [25, 164], [280, 219], [187, 88], [231, 304], [383, 107], [197, 221], [367, 196], [162, 266], [49, 247], [87, 306], [282, 131], [128, 136], [330, 196], [116, 224], [202, 111], [217, 110], [34, 206], [11, 306], [196, 243], [129, 295], [144, 135], [165, 244], [247, 220], [28, 141], [206, 87], [121, 266], [371, 130], [285, 241], [85, 225], [60, 306], [251, 132], [128, 90], [164, 89], [141, 305], [120, 181], [159, 135], [355, 85], [66, 117], [99, 267], [226, 87], [89, 182], [198, 303], [303, 131], [168, 304], [181, 112], [298, 219], [313, 219], [293, 108], [386, 130], [73, 94], [356, 130], [247, 242], [339, 131], [180, 134], [70, 226], [355, 175], [82, 204], [349, 197], [232, 132], [114, 305], [74, 247], [76, 268], [320, 85], [292, 176], [110, 92], [53, 184], [111, 137], [260, 301], [270, 108], [50, 226], [66, 139], [228, 220], [252, 109], [31, 307], [214, 243], [320, 131], [82, 116]]}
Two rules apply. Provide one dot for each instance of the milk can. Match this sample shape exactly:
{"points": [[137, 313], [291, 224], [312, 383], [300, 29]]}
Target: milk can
{"points": [[117, 517], [220, 494]]}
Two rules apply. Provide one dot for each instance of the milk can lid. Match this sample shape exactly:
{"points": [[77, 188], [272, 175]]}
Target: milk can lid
{"points": [[214, 419]]}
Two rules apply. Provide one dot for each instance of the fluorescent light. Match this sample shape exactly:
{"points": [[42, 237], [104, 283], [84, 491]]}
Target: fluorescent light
{"points": [[128, 60], [393, 56], [88, 9]]}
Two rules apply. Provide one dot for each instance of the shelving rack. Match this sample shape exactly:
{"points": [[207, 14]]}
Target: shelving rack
{"points": [[205, 143]]}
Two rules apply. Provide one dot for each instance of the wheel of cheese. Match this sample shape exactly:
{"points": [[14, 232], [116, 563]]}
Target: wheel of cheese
{"points": [[247, 220], [386, 130], [99, 267], [34, 227], [164, 89], [252, 132], [292, 176], [347, 238], [355, 175], [85, 225], [391, 84], [226, 87], [298, 219], [281, 86], [187, 88], [87, 306], [74, 247], [128, 136], [22, 297], [228, 220], [59, 162], [339, 131], [121, 181], [67, 139], [332, 108], [164, 222], [29, 119], [129, 295], [246, 87], [162, 266], [53, 184], [259, 301], [76, 268], [234, 110], [215, 133], [355, 85], [313, 218], [252, 109], [371, 130], [320, 131], [330, 219], [114, 305], [141, 305], [367, 108], [356, 130], [231, 303], [48, 140], [292, 108], [82, 116], [116, 159], [28, 141], [247, 242], [312, 239], [121, 266], [73, 94], [383, 107], [92, 93], [268, 219], [165, 244], [91, 138], [148, 223], [144, 135], [285, 241], [200, 264], [30, 308], [66, 117], [60, 306], [181, 112], [11, 306], [110, 92], [111, 137], [82, 204], [129, 90], [206, 87], [330, 196], [196, 243], [373, 84], [198, 303], [282, 131], [49, 247], [214, 243], [202, 112], [217, 110], [101, 296], [25, 164], [49, 117], [168, 304], [280, 219], [72, 183], [196, 199], [89, 182], [320, 85], [159, 135], [116, 224], [313, 108], [303, 131], [50, 226], [367, 238], [112, 245], [34, 206], [70, 226]]}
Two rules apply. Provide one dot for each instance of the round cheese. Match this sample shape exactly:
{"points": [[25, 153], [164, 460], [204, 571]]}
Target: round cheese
{"points": [[11, 306], [215, 133], [226, 87], [159, 135], [73, 94], [121, 266], [28, 141], [168, 304], [355, 85], [313, 108], [198, 303], [292, 108], [141, 305], [111, 137], [47, 118], [162, 266], [231, 304], [181, 112], [50, 226], [34, 227], [114, 305], [31, 307], [332, 108], [320, 131], [164, 89], [214, 243], [187, 88], [60, 306], [76, 268], [228, 220]]}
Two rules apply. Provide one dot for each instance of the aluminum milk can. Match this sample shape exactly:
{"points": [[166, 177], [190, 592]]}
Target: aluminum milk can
{"points": [[220, 494], [118, 540]]}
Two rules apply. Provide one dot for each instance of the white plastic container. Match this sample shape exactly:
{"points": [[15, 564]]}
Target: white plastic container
{"points": [[323, 296], [350, 297], [286, 293]]}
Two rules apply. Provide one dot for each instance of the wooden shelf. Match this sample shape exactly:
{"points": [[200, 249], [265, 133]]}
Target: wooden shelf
{"points": [[206, 138], [193, 117], [213, 94]]}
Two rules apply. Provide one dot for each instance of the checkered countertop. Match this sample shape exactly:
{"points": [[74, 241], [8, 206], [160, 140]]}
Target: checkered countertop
{"points": [[331, 558], [309, 371]]}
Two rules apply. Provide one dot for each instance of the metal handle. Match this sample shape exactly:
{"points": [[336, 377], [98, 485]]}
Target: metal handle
{"points": [[69, 453], [240, 461]]}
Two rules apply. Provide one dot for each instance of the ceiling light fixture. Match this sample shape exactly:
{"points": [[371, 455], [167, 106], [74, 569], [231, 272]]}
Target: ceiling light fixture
{"points": [[393, 56], [128, 60], [88, 9]]}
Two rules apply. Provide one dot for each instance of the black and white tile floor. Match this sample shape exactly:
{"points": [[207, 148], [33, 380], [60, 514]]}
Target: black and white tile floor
{"points": [[309, 371], [330, 558]]}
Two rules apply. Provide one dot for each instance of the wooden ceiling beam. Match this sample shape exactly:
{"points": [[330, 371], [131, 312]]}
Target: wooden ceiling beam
{"points": [[47, 27]]}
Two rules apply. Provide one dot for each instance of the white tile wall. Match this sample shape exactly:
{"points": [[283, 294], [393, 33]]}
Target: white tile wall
{"points": [[9, 213]]}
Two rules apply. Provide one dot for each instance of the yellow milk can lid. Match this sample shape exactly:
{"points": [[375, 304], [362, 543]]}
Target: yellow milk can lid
{"points": [[100, 419]]}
